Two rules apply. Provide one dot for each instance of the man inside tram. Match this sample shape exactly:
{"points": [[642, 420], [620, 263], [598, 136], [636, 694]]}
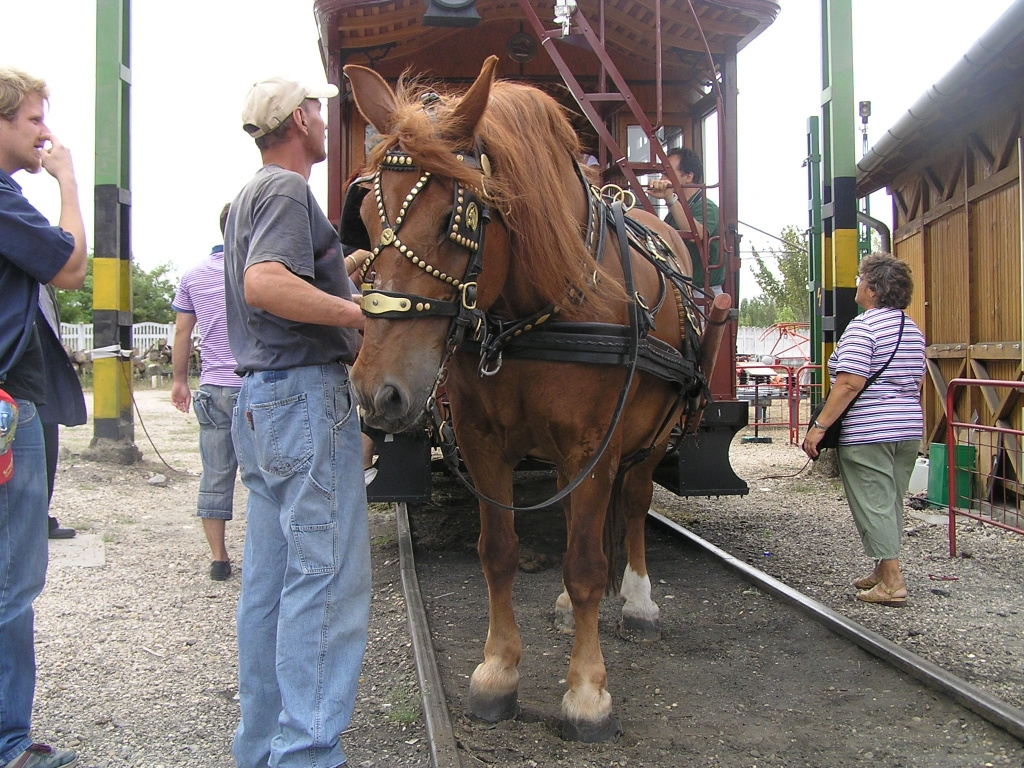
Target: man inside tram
{"points": [[688, 169]]}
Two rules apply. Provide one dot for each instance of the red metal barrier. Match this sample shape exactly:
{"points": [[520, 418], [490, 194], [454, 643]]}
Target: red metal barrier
{"points": [[984, 469], [777, 399], [766, 386], [804, 387]]}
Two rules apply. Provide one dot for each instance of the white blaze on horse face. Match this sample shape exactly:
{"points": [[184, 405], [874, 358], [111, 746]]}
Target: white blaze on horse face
{"points": [[636, 593]]}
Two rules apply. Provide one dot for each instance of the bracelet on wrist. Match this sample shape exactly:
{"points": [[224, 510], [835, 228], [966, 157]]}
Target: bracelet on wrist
{"points": [[819, 425], [673, 200]]}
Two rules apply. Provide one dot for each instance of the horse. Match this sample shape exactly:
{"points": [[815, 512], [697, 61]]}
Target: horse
{"points": [[550, 336]]}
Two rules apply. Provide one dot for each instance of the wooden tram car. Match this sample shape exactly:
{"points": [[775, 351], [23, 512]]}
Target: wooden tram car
{"points": [[637, 76]]}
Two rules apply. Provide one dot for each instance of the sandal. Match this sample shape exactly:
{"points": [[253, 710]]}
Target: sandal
{"points": [[867, 582], [894, 597]]}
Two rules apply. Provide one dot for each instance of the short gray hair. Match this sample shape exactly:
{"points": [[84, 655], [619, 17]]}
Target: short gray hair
{"points": [[889, 278]]}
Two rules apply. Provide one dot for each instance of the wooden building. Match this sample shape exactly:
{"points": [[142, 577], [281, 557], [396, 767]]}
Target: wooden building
{"points": [[952, 164]]}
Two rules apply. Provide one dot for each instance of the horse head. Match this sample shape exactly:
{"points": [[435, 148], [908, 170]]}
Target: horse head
{"points": [[423, 207]]}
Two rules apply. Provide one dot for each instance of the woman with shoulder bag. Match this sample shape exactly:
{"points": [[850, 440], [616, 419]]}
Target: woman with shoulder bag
{"points": [[882, 431]]}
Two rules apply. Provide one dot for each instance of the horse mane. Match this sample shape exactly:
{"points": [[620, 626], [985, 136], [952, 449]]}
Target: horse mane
{"points": [[532, 147]]}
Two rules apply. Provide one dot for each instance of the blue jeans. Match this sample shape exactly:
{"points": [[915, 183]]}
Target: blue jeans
{"points": [[305, 601], [23, 556], [214, 406]]}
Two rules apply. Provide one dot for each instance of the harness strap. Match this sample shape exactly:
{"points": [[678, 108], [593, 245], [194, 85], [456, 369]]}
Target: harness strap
{"points": [[445, 431], [597, 344]]}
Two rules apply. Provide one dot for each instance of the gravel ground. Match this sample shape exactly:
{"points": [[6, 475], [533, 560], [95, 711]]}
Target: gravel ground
{"points": [[137, 656], [963, 614]]}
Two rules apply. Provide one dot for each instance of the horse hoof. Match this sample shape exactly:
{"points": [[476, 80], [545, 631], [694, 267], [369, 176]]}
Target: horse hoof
{"points": [[638, 630], [493, 709], [608, 729]]}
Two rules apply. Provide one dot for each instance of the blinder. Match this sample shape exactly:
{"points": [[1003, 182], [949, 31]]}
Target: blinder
{"points": [[469, 214]]}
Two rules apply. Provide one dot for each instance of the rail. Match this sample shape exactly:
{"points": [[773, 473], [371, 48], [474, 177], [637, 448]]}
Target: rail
{"points": [[984, 463]]}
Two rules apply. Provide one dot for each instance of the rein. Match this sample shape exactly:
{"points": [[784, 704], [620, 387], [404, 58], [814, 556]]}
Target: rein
{"points": [[600, 343]]}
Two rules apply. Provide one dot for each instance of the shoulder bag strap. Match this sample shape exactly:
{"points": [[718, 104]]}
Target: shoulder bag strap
{"points": [[874, 376]]}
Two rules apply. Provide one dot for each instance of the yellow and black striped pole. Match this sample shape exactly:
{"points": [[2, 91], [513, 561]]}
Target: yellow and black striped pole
{"points": [[839, 176], [114, 427]]}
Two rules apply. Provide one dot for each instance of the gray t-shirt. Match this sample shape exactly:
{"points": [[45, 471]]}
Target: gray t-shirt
{"points": [[276, 218]]}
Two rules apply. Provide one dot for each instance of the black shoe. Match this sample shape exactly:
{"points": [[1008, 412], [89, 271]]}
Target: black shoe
{"points": [[220, 569], [62, 533]]}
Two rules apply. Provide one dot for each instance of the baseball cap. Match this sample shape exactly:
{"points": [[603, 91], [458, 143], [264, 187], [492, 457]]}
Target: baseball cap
{"points": [[270, 101], [8, 426]]}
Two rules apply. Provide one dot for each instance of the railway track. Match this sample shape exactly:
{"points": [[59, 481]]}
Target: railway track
{"points": [[739, 652]]}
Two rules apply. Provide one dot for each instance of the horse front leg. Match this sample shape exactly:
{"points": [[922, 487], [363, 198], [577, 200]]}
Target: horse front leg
{"points": [[587, 705], [494, 686], [641, 617]]}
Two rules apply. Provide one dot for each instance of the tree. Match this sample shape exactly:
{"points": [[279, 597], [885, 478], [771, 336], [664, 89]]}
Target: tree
{"points": [[152, 293], [757, 312], [76, 306], [784, 296]]}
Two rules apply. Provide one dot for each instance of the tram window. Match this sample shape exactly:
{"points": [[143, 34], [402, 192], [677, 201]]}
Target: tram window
{"points": [[639, 151], [638, 148], [709, 127], [639, 145]]}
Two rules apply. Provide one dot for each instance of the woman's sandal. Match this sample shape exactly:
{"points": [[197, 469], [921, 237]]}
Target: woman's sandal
{"points": [[894, 597], [867, 582]]}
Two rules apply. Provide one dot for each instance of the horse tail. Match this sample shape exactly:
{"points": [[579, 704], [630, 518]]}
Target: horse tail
{"points": [[614, 538]]}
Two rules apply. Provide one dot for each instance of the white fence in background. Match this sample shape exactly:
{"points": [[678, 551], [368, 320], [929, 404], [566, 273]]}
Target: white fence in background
{"points": [[772, 342], [78, 336]]}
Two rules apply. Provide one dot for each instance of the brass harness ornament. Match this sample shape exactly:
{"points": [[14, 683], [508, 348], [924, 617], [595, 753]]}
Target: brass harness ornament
{"points": [[465, 229]]}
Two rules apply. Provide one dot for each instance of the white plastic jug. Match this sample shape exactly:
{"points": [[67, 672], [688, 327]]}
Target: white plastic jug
{"points": [[919, 477]]}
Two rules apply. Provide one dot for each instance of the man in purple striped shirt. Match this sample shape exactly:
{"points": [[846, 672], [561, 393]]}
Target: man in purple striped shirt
{"points": [[200, 301]]}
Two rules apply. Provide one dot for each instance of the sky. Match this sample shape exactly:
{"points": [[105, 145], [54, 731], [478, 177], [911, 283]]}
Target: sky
{"points": [[192, 63]]}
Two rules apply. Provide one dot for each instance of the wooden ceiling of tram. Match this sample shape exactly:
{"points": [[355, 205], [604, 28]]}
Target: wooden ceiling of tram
{"points": [[390, 36]]}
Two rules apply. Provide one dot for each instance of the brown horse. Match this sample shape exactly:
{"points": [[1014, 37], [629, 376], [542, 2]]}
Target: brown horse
{"points": [[506, 153]]}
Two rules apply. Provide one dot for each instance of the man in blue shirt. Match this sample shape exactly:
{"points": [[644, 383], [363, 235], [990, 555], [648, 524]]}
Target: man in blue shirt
{"points": [[32, 252]]}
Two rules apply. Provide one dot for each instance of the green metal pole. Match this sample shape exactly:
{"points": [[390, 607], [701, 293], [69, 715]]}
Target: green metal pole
{"points": [[114, 427], [814, 243], [840, 196]]}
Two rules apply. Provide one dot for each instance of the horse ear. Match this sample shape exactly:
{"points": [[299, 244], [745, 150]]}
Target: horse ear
{"points": [[374, 97], [466, 115]]}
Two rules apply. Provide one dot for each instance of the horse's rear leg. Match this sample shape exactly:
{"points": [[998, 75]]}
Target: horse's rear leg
{"points": [[493, 688], [564, 622], [641, 617]]}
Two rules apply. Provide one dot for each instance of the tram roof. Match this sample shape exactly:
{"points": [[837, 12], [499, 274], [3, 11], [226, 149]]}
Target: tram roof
{"points": [[391, 36], [992, 66]]}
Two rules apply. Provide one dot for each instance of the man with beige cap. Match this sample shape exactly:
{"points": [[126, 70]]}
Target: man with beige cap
{"points": [[293, 330]]}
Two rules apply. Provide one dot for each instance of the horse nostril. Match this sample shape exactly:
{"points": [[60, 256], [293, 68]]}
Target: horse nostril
{"points": [[391, 403]]}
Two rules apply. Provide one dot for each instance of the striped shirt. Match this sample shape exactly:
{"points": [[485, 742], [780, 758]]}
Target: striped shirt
{"points": [[890, 409], [201, 293]]}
